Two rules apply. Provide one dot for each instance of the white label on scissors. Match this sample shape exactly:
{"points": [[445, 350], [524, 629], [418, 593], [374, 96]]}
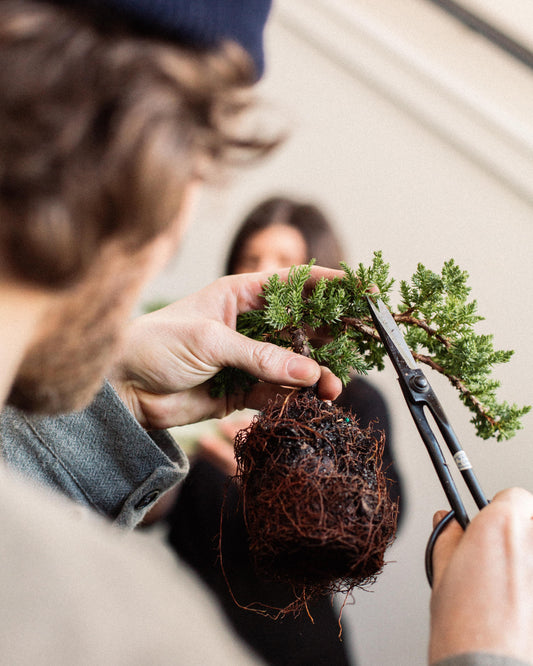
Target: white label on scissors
{"points": [[461, 460]]}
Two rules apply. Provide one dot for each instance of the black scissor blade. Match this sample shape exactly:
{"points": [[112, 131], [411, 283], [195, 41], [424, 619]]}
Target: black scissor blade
{"points": [[385, 322]]}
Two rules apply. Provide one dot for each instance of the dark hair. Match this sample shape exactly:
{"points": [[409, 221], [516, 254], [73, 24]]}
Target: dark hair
{"points": [[320, 239], [101, 129]]}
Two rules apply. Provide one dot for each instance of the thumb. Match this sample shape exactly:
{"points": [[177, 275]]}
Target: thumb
{"points": [[271, 363]]}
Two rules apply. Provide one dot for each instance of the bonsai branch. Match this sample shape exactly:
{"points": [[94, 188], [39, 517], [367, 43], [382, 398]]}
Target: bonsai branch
{"points": [[406, 318]]}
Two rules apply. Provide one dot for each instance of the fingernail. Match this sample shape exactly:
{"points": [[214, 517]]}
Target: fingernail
{"points": [[300, 367]]}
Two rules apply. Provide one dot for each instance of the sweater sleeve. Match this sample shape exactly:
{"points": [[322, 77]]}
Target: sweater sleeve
{"points": [[99, 457]]}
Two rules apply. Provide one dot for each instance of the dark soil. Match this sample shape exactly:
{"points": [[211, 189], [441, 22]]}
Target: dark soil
{"points": [[315, 498]]}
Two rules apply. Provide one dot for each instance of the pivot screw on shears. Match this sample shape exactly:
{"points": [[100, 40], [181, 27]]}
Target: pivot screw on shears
{"points": [[419, 383]]}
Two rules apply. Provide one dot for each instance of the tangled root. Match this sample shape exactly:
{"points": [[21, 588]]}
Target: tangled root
{"points": [[315, 498]]}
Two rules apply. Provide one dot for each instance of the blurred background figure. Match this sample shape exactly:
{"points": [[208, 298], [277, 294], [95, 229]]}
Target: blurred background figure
{"points": [[277, 233]]}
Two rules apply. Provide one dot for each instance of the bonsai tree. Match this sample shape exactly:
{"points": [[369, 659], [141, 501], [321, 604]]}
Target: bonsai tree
{"points": [[314, 495], [435, 313]]}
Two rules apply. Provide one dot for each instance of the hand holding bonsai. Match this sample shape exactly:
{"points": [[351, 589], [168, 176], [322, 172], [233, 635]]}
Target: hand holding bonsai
{"points": [[169, 356]]}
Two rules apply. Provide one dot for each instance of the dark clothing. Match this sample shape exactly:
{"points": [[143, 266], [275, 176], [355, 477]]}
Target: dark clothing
{"points": [[368, 405], [194, 528]]}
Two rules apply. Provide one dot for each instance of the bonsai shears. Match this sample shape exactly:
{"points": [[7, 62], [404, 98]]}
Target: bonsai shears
{"points": [[420, 396]]}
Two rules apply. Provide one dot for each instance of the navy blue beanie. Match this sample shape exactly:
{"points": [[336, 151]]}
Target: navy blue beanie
{"points": [[198, 23]]}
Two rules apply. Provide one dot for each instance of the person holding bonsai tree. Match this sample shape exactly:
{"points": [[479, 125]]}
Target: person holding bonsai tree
{"points": [[112, 112]]}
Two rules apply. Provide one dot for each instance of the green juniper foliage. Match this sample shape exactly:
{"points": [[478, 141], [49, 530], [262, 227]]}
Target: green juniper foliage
{"points": [[436, 317]]}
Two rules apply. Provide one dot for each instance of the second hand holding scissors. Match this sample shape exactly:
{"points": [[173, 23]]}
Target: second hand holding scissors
{"points": [[419, 395]]}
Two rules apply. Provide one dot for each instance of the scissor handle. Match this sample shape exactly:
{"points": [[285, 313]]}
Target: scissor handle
{"points": [[439, 527], [459, 456], [439, 462], [419, 394]]}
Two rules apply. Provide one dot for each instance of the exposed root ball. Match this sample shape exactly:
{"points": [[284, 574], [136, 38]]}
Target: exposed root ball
{"points": [[315, 498]]}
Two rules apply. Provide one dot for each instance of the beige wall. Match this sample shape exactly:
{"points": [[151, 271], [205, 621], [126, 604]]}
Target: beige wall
{"points": [[416, 137]]}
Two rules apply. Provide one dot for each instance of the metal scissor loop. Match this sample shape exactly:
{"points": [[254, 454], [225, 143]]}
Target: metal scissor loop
{"points": [[420, 396]]}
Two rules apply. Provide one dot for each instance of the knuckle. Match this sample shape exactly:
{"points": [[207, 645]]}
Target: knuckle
{"points": [[264, 358]]}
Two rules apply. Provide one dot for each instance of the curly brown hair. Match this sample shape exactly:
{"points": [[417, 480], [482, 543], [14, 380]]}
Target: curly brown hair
{"points": [[101, 129]]}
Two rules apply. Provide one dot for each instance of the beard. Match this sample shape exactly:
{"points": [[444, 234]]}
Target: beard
{"points": [[65, 367], [63, 372], [60, 376]]}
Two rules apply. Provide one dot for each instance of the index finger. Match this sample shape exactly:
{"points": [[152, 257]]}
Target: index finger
{"points": [[250, 285]]}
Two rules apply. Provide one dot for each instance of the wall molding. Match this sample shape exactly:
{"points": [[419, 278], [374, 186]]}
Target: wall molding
{"points": [[370, 51]]}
